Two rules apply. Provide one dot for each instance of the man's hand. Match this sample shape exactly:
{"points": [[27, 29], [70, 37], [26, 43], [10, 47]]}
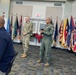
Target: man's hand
{"points": [[24, 34], [41, 31]]}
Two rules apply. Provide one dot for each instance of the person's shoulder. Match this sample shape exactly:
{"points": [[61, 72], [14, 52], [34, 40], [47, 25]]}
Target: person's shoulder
{"points": [[51, 25], [5, 35]]}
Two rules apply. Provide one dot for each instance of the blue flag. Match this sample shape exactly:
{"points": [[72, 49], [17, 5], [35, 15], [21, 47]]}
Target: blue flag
{"points": [[11, 25], [71, 28], [74, 40], [56, 32], [8, 25]]}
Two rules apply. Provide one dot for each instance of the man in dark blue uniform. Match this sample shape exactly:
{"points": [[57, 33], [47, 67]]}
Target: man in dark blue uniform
{"points": [[6, 48]]}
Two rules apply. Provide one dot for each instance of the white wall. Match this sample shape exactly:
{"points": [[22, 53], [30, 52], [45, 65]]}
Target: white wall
{"points": [[39, 7], [4, 7], [68, 9], [74, 9]]}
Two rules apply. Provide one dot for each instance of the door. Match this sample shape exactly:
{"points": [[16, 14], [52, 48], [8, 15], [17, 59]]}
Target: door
{"points": [[33, 39]]}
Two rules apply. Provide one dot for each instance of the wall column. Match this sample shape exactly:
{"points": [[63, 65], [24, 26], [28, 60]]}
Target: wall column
{"points": [[68, 9], [4, 7]]}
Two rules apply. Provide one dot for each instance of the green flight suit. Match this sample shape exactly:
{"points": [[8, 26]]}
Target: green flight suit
{"points": [[45, 49], [28, 29]]}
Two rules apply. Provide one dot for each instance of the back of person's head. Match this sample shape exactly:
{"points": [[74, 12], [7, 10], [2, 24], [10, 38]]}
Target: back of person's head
{"points": [[2, 21]]}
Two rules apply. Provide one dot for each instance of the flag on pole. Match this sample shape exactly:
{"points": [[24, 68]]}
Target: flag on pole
{"points": [[74, 40], [67, 28], [72, 23], [8, 25], [16, 26], [64, 33], [60, 32], [56, 32], [20, 27], [71, 29], [11, 23]]}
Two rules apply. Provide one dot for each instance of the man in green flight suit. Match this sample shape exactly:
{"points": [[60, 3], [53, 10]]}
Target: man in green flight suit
{"points": [[26, 33], [45, 49]]}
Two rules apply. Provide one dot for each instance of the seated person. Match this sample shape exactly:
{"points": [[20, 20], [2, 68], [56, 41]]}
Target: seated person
{"points": [[6, 48]]}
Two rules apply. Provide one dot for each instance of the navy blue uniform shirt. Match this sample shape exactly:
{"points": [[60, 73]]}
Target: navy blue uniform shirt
{"points": [[6, 50]]}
